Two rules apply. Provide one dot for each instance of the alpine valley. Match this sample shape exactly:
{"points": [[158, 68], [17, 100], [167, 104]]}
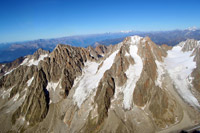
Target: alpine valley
{"points": [[133, 86]]}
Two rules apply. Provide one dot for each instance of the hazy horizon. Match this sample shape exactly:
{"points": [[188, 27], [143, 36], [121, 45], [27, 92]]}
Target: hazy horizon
{"points": [[95, 34]]}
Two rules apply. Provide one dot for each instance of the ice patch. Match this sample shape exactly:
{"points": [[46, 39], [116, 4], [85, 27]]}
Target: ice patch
{"points": [[90, 78], [23, 118], [52, 86], [25, 61], [180, 65], [198, 43], [6, 93], [160, 72], [10, 71], [127, 54], [143, 107], [30, 81], [16, 97], [34, 62], [133, 74]]}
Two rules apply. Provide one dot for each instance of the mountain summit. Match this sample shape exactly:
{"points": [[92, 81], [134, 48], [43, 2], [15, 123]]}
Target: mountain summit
{"points": [[134, 86]]}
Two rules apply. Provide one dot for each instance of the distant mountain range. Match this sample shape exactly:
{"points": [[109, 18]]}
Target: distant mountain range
{"points": [[12, 51], [170, 38]]}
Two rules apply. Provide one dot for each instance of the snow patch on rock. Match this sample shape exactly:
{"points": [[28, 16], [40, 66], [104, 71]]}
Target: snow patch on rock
{"points": [[9, 71], [16, 97], [32, 61], [30, 81], [6, 93], [90, 78], [133, 74], [52, 86], [160, 73]]}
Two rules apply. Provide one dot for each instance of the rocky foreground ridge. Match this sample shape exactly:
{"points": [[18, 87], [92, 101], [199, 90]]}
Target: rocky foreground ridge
{"points": [[134, 86]]}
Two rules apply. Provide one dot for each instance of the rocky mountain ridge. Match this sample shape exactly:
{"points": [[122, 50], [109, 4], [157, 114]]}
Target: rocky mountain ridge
{"points": [[134, 86]]}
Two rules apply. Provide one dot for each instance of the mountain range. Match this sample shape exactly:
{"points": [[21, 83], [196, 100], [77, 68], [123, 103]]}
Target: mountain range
{"points": [[12, 51], [135, 85]]}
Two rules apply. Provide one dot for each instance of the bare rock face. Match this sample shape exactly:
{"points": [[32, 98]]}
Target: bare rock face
{"points": [[4, 68], [133, 86], [92, 52], [101, 49], [196, 72], [35, 106], [120, 66], [166, 47], [26, 101], [106, 91]]}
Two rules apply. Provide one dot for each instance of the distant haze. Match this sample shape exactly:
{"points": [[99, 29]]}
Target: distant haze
{"points": [[11, 51]]}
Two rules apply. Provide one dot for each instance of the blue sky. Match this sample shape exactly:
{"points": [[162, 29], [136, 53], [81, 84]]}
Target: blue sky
{"points": [[34, 19]]}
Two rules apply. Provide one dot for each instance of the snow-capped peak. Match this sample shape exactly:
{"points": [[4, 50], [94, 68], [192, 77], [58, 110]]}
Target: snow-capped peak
{"points": [[192, 28], [128, 31], [135, 39]]}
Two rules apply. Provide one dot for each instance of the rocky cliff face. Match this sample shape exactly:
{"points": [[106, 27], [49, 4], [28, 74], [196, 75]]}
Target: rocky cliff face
{"points": [[134, 86]]}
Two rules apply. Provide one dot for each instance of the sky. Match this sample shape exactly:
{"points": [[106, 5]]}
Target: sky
{"points": [[22, 20]]}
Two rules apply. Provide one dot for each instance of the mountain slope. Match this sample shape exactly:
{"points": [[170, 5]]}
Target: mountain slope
{"points": [[134, 86]]}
